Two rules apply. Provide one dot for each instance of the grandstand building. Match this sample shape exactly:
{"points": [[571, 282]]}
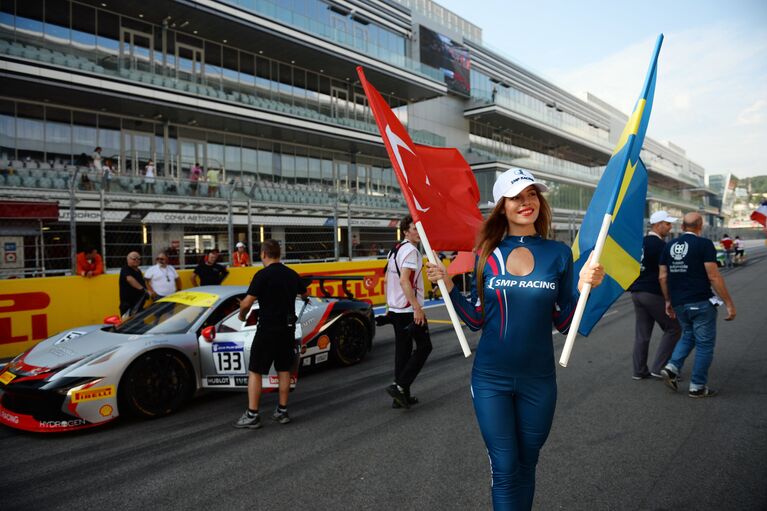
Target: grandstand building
{"points": [[251, 119]]}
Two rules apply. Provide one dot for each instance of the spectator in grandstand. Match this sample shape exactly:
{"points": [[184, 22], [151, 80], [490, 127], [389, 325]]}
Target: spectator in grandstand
{"points": [[209, 272], [89, 263], [107, 172], [133, 292], [162, 279], [96, 159], [195, 173], [240, 256], [149, 177], [212, 182]]}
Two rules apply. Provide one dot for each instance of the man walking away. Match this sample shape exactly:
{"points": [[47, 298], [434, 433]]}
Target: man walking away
{"points": [[404, 297], [649, 305], [726, 242], [688, 270], [275, 287]]}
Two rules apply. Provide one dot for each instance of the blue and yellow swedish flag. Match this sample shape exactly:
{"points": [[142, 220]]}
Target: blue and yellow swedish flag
{"points": [[621, 192]]}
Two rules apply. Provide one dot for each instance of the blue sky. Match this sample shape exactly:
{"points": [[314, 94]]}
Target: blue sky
{"points": [[711, 95]]}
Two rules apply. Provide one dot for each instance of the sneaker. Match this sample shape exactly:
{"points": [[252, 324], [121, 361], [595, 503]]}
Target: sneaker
{"points": [[640, 376], [246, 421], [659, 376], [669, 378], [410, 399], [704, 392], [396, 393], [281, 417]]}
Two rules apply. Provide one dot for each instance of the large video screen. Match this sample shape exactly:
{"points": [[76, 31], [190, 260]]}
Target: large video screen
{"points": [[449, 57]]}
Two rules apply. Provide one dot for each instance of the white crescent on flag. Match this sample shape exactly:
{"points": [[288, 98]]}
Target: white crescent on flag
{"points": [[396, 143]]}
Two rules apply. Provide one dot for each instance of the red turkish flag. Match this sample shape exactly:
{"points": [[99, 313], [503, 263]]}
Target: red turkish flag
{"points": [[438, 185]]}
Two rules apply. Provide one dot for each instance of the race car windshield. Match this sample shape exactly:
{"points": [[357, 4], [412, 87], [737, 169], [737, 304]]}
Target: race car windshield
{"points": [[162, 318]]}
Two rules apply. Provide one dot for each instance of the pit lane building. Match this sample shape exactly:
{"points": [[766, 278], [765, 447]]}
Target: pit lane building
{"points": [[262, 95]]}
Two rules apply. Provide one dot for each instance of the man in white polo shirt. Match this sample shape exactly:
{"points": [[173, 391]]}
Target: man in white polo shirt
{"points": [[162, 279], [404, 297]]}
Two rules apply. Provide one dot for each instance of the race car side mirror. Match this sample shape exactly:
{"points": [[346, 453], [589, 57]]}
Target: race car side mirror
{"points": [[209, 333], [112, 320]]}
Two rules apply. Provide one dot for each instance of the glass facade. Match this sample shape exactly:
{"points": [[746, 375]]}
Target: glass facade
{"points": [[502, 150], [560, 195], [485, 90], [341, 26], [42, 146], [93, 40]]}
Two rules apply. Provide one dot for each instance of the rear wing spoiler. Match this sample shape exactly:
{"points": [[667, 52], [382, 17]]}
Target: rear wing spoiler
{"points": [[321, 279]]}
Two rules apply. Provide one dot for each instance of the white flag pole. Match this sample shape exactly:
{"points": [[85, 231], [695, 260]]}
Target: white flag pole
{"points": [[576, 322], [445, 294]]}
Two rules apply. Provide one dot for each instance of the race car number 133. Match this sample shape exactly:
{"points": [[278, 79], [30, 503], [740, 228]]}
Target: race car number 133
{"points": [[228, 362]]}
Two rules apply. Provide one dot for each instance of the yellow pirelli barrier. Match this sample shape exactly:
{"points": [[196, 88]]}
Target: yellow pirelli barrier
{"points": [[34, 309]]}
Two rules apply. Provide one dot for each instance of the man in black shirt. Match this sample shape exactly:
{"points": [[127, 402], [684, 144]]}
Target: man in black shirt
{"points": [[649, 306], [275, 287], [209, 272], [132, 291]]}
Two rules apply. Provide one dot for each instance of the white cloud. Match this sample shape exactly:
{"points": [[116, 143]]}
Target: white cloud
{"points": [[755, 114], [709, 96]]}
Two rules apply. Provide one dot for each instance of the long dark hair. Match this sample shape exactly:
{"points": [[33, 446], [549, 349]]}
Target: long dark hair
{"points": [[495, 227]]}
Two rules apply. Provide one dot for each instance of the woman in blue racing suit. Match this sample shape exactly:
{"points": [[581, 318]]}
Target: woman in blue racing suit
{"points": [[526, 284]]}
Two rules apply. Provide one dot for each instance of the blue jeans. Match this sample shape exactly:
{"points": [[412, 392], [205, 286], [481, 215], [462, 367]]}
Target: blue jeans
{"points": [[698, 322], [514, 416]]}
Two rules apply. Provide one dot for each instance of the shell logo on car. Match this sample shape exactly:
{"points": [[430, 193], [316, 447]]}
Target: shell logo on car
{"points": [[105, 411], [7, 377], [93, 394], [323, 342]]}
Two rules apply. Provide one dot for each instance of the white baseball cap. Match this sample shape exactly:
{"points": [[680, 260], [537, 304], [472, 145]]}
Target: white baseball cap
{"points": [[513, 181], [240, 244], [662, 216]]}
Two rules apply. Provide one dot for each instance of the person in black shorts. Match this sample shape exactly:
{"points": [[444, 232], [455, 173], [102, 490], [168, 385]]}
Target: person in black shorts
{"points": [[275, 287], [209, 272]]}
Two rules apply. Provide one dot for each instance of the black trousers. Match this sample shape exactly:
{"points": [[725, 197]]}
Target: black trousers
{"points": [[408, 363]]}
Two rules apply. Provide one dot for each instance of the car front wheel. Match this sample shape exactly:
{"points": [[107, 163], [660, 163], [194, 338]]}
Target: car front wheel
{"points": [[155, 384], [350, 341]]}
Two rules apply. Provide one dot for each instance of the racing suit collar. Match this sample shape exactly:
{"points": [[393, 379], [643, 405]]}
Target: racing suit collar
{"points": [[522, 240]]}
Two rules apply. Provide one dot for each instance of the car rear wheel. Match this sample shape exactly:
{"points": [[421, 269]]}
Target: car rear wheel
{"points": [[157, 383], [350, 341]]}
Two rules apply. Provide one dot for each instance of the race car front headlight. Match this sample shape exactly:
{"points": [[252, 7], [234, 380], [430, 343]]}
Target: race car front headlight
{"points": [[64, 385]]}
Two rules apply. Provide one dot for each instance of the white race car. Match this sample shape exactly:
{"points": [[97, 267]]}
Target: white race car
{"points": [[155, 361]]}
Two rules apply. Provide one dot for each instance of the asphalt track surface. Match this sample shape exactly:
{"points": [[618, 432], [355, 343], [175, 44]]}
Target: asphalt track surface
{"points": [[616, 444]]}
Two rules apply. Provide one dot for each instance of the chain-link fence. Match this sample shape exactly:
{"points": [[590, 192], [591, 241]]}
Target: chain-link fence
{"points": [[34, 248]]}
